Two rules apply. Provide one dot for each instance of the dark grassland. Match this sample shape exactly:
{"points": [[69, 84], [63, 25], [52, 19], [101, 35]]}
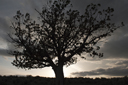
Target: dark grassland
{"points": [[29, 80]]}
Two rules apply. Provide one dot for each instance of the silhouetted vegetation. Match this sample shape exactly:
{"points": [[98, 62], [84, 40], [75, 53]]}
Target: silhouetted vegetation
{"points": [[61, 34], [37, 80]]}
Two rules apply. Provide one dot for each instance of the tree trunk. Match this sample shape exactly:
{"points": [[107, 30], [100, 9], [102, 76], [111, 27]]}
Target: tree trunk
{"points": [[59, 75]]}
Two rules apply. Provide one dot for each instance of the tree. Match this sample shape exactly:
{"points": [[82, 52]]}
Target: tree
{"points": [[61, 34]]}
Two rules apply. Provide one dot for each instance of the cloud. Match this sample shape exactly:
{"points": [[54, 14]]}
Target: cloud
{"points": [[115, 71], [123, 62], [116, 48], [109, 68], [120, 8], [8, 9], [4, 52], [113, 49]]}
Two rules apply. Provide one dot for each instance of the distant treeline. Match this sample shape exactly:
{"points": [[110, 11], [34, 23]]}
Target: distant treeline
{"points": [[37, 80]]}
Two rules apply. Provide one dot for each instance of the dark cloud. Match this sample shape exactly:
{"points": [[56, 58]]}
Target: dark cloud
{"points": [[116, 48], [36, 4], [4, 52], [116, 45], [4, 28], [120, 8], [8, 9], [112, 48], [114, 68], [115, 71]]}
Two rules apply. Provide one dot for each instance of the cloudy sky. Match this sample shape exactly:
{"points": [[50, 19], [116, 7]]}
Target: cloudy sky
{"points": [[115, 49]]}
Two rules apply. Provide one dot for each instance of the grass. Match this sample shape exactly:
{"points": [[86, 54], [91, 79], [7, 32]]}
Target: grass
{"points": [[30, 80]]}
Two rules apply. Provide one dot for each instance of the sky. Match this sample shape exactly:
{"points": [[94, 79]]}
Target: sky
{"points": [[115, 48]]}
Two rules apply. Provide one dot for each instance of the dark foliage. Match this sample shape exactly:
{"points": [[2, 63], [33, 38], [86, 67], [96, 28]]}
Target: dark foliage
{"points": [[29, 80]]}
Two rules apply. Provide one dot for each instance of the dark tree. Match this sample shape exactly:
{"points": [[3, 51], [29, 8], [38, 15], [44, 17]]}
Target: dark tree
{"points": [[61, 34]]}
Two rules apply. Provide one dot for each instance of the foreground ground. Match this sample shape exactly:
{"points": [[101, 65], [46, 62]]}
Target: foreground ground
{"points": [[29, 80]]}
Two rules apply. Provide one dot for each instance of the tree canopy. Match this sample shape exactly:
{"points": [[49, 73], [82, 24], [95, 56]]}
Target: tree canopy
{"points": [[61, 34]]}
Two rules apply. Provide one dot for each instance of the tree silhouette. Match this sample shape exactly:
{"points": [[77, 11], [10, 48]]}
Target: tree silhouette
{"points": [[61, 34]]}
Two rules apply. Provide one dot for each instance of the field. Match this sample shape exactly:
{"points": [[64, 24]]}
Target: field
{"points": [[29, 80]]}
